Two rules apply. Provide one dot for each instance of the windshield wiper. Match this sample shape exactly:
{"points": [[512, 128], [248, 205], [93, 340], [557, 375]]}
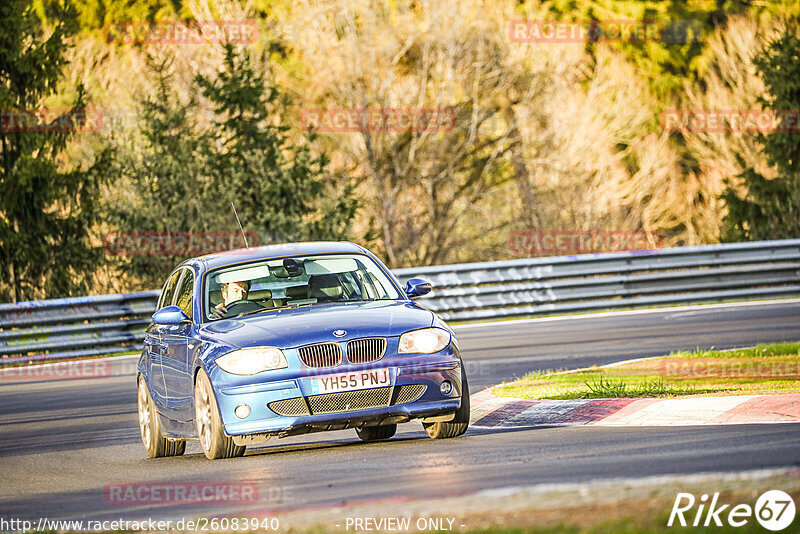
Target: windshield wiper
{"points": [[291, 307], [253, 312]]}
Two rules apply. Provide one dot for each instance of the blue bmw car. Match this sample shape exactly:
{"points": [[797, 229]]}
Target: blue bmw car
{"points": [[290, 339]]}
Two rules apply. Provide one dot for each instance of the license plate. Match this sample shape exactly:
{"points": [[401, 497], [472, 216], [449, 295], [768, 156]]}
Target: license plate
{"points": [[374, 378]]}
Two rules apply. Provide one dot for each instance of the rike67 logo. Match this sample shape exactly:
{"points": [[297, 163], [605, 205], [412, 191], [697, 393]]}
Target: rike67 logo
{"points": [[774, 510]]}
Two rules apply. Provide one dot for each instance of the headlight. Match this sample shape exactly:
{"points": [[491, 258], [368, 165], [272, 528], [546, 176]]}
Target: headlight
{"points": [[252, 361], [424, 341]]}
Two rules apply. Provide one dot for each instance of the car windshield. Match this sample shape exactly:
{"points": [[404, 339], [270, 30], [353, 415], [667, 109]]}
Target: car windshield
{"points": [[273, 284]]}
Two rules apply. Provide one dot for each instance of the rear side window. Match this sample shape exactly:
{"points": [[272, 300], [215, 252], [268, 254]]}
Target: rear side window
{"points": [[186, 293], [169, 290]]}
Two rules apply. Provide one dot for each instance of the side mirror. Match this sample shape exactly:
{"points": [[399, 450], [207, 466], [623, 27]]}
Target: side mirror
{"points": [[170, 315], [416, 287]]}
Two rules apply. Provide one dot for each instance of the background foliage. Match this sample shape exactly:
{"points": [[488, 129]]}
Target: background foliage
{"points": [[548, 137]]}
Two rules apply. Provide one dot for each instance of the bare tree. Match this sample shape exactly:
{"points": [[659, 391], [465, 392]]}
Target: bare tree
{"points": [[427, 187]]}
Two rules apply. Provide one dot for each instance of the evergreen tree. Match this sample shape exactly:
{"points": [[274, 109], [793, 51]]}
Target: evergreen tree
{"points": [[278, 186], [164, 167], [770, 208], [181, 176], [46, 211]]}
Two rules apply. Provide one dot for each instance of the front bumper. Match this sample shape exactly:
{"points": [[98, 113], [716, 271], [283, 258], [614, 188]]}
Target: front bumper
{"points": [[400, 404]]}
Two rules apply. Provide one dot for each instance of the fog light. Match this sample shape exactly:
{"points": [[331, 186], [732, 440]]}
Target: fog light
{"points": [[446, 388], [242, 411]]}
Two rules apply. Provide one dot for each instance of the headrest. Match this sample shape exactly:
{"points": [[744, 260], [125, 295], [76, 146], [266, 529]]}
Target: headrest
{"points": [[296, 292], [324, 287], [259, 294]]}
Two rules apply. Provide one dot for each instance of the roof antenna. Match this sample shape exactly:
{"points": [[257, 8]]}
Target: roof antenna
{"points": [[246, 245]]}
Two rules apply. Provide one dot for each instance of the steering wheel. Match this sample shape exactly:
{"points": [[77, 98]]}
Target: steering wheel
{"points": [[241, 306]]}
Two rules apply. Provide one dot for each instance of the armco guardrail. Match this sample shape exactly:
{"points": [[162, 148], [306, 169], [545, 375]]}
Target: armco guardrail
{"points": [[85, 326], [71, 327]]}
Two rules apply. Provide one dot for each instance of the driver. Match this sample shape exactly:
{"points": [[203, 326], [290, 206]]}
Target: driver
{"points": [[231, 292]]}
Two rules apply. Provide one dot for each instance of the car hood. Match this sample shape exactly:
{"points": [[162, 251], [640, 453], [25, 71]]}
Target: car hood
{"points": [[301, 326]]}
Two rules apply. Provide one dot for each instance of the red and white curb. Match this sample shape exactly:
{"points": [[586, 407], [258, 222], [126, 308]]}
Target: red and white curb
{"points": [[491, 411]]}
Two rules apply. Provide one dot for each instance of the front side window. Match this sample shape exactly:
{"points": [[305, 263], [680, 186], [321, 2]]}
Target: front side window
{"points": [[291, 282], [186, 293], [169, 290]]}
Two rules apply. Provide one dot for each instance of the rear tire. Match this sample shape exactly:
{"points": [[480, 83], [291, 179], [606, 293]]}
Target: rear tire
{"points": [[376, 433], [155, 444], [459, 424], [212, 436]]}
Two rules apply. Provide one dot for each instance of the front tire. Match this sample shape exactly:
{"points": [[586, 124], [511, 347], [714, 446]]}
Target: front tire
{"points": [[212, 436], [376, 433], [155, 444], [459, 424]]}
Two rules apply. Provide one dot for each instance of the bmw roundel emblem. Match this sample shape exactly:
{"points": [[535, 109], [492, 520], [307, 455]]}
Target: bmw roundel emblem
{"points": [[339, 333]]}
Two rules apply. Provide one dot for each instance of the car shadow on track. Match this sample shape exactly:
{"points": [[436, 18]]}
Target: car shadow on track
{"points": [[288, 449], [484, 430], [407, 437], [271, 448]]}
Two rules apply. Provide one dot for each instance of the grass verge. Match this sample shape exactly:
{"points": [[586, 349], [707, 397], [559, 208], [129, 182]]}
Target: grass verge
{"points": [[763, 369]]}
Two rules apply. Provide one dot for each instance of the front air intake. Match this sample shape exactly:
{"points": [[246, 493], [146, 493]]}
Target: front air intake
{"points": [[366, 350], [321, 355]]}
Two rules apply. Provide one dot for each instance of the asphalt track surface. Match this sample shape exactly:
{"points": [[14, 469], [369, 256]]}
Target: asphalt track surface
{"points": [[62, 442]]}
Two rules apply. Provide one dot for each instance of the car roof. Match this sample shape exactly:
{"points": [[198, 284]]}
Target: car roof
{"points": [[218, 259]]}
